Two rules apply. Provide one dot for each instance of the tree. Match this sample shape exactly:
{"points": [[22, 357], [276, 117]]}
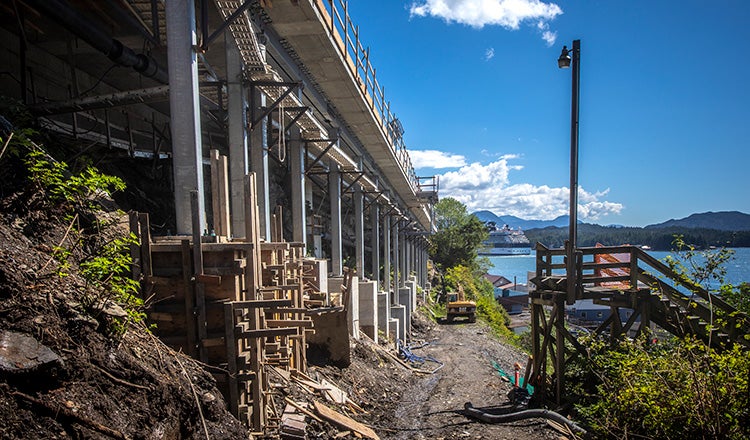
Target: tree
{"points": [[459, 235]]}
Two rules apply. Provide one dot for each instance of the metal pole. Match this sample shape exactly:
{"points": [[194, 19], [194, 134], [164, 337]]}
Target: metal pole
{"points": [[573, 225]]}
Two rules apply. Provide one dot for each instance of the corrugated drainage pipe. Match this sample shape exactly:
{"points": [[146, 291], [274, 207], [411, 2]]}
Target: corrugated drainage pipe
{"points": [[87, 30], [469, 410]]}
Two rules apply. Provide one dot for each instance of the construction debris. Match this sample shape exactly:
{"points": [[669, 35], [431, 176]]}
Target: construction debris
{"points": [[344, 421]]}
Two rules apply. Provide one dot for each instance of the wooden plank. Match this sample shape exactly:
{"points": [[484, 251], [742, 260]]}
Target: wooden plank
{"points": [[231, 344], [135, 250], [145, 238], [265, 332], [200, 301], [274, 246], [261, 303], [344, 421], [334, 393], [302, 409], [306, 323], [189, 299]]}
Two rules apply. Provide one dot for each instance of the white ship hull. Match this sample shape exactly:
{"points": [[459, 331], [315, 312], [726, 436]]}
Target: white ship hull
{"points": [[505, 251]]}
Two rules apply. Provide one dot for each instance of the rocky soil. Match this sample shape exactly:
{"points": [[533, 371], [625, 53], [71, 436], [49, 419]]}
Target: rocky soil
{"points": [[63, 374], [402, 404]]}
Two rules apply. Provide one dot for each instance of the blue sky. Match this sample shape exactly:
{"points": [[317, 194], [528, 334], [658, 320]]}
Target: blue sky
{"points": [[665, 102]]}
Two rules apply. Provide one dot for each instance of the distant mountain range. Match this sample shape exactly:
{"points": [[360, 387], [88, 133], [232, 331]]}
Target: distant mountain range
{"points": [[721, 221], [515, 222]]}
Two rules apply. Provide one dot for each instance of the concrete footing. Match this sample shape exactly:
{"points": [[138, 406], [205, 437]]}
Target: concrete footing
{"points": [[384, 314], [368, 309], [398, 313], [412, 286], [330, 342], [405, 299], [352, 308]]}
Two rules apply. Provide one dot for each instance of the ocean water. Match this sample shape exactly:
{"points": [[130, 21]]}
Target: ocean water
{"points": [[516, 267]]}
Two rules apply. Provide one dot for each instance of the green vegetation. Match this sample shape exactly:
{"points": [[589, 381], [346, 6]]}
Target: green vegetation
{"points": [[478, 289], [454, 250], [669, 391], [458, 237], [656, 238], [100, 254], [673, 389]]}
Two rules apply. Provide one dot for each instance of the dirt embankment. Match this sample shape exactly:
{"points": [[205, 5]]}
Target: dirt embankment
{"points": [[62, 377], [403, 405]]}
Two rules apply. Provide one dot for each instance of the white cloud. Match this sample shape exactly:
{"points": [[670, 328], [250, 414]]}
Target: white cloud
{"points": [[549, 37], [489, 54], [435, 159], [489, 187], [479, 13]]}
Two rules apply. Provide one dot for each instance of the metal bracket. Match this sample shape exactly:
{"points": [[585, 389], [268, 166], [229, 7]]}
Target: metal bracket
{"points": [[360, 175], [299, 112], [379, 194], [331, 143], [206, 40], [292, 86]]}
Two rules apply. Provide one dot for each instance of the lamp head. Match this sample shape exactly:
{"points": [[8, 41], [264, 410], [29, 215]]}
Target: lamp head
{"points": [[564, 61]]}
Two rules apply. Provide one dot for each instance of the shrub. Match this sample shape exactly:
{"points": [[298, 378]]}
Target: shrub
{"points": [[478, 289], [675, 390]]}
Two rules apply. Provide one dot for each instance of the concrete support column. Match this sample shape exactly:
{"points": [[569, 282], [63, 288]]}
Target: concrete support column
{"points": [[237, 132], [409, 266], [387, 255], [315, 237], [359, 230], [396, 251], [259, 160], [401, 256], [375, 241], [334, 194], [425, 272], [299, 211], [184, 106]]}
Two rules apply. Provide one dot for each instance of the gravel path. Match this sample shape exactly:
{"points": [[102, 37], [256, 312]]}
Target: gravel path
{"points": [[431, 406]]}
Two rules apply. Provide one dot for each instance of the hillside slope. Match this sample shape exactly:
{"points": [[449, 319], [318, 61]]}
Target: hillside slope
{"points": [[64, 372], [722, 221]]}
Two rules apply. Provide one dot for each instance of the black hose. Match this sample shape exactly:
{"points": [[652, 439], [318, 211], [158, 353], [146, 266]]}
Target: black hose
{"points": [[469, 410], [85, 29]]}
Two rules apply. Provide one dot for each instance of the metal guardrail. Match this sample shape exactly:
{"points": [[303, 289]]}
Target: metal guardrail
{"points": [[357, 56]]}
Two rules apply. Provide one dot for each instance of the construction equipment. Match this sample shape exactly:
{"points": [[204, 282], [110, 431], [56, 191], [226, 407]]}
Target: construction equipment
{"points": [[458, 306]]}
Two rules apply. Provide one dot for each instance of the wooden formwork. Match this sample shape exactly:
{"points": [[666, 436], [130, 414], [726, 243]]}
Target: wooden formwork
{"points": [[235, 304]]}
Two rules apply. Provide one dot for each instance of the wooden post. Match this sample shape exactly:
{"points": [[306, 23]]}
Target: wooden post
{"points": [[231, 345], [135, 251], [190, 315], [220, 194], [145, 239], [200, 295], [560, 339]]}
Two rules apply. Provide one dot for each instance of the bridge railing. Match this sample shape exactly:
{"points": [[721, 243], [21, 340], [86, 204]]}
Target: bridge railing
{"points": [[346, 34]]}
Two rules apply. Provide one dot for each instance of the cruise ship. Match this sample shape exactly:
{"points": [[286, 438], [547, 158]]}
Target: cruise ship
{"points": [[505, 241]]}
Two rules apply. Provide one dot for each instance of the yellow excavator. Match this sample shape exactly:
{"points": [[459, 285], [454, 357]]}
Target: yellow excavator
{"points": [[458, 307]]}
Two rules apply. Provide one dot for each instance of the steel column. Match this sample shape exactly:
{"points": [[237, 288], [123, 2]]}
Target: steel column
{"points": [[359, 230], [259, 161], [375, 241], [299, 211], [187, 148], [387, 254], [334, 194], [238, 157]]}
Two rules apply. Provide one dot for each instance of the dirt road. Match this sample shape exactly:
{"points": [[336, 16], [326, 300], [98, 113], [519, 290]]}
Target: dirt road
{"points": [[430, 408]]}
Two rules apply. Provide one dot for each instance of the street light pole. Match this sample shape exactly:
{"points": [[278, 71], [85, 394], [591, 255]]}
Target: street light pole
{"points": [[563, 62]]}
